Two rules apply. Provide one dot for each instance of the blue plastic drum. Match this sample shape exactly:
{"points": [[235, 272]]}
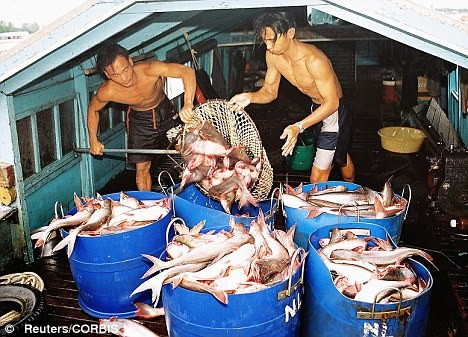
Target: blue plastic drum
{"points": [[193, 207], [328, 313], [107, 269], [272, 312], [305, 226]]}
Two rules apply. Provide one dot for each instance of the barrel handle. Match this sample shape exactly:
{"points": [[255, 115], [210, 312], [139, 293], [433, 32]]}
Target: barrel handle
{"points": [[358, 216], [382, 315], [171, 223], [286, 293], [409, 198], [270, 211], [172, 201], [57, 203], [280, 197], [159, 180]]}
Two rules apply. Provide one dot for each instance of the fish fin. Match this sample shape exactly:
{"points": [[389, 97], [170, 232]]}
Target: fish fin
{"points": [[157, 265], [197, 228], [146, 311], [378, 207], [78, 204], [313, 213], [176, 281]]}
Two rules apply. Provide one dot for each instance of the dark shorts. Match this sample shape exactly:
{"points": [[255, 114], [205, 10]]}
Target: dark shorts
{"points": [[147, 130], [339, 141]]}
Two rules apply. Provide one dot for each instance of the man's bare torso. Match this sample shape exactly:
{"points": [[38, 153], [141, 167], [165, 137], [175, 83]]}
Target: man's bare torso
{"points": [[297, 73]]}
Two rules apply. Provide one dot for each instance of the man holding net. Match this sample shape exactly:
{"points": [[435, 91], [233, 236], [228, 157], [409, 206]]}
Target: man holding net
{"points": [[307, 68]]}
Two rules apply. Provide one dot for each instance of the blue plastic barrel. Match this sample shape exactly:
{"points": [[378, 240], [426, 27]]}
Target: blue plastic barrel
{"points": [[305, 226], [272, 312], [107, 268], [328, 313], [193, 207]]}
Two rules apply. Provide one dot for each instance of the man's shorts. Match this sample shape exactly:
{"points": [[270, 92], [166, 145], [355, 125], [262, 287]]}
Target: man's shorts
{"points": [[333, 137], [147, 130]]}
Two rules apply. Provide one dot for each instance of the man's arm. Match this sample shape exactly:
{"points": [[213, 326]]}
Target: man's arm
{"points": [[187, 75], [267, 93], [95, 105]]}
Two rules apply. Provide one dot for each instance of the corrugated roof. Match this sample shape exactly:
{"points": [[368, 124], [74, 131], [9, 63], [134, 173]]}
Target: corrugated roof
{"points": [[75, 34]]}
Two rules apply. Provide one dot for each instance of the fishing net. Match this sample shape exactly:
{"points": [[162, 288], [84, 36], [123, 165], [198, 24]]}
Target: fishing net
{"points": [[237, 128]]}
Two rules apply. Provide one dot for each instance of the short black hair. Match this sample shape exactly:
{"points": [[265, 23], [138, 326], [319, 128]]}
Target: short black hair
{"points": [[107, 54], [279, 22]]}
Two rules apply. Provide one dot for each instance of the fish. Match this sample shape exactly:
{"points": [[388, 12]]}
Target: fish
{"points": [[80, 217], [129, 201], [98, 219], [380, 258], [355, 274], [124, 327], [146, 311], [343, 245], [232, 260], [207, 131], [358, 196], [376, 289], [332, 189], [156, 282], [200, 254], [293, 201], [194, 285], [387, 193], [276, 262]]}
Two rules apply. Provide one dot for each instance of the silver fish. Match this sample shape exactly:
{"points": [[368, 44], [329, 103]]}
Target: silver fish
{"points": [[98, 219], [200, 254], [129, 327]]}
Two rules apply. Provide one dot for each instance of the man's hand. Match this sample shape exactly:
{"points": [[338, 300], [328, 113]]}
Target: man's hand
{"points": [[239, 101], [186, 113], [291, 132], [96, 147]]}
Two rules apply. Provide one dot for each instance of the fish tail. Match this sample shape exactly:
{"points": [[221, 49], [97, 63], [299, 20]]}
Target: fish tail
{"points": [[62, 243], [39, 242], [71, 244], [157, 265], [154, 284], [219, 295]]}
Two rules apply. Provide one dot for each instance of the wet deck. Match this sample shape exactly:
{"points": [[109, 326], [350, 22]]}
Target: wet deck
{"points": [[373, 167]]}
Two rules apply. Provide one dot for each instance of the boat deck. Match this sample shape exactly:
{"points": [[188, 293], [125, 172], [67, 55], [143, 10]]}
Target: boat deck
{"points": [[448, 312]]}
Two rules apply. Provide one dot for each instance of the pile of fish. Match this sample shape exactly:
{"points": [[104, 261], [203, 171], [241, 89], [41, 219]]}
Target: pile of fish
{"points": [[241, 260], [225, 172], [99, 216], [371, 268], [338, 200]]}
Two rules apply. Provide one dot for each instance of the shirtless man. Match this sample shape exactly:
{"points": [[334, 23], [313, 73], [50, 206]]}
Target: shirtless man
{"points": [[140, 86], [307, 68]]}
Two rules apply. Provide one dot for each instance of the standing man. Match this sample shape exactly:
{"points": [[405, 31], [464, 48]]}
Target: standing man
{"points": [[307, 68], [140, 86]]}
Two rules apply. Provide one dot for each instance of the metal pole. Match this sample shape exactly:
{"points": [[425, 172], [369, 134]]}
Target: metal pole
{"points": [[133, 151]]}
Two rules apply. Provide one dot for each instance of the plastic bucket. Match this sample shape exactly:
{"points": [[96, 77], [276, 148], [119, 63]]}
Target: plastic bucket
{"points": [[305, 226], [388, 91], [107, 268], [273, 312], [193, 207], [328, 313], [303, 154]]}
